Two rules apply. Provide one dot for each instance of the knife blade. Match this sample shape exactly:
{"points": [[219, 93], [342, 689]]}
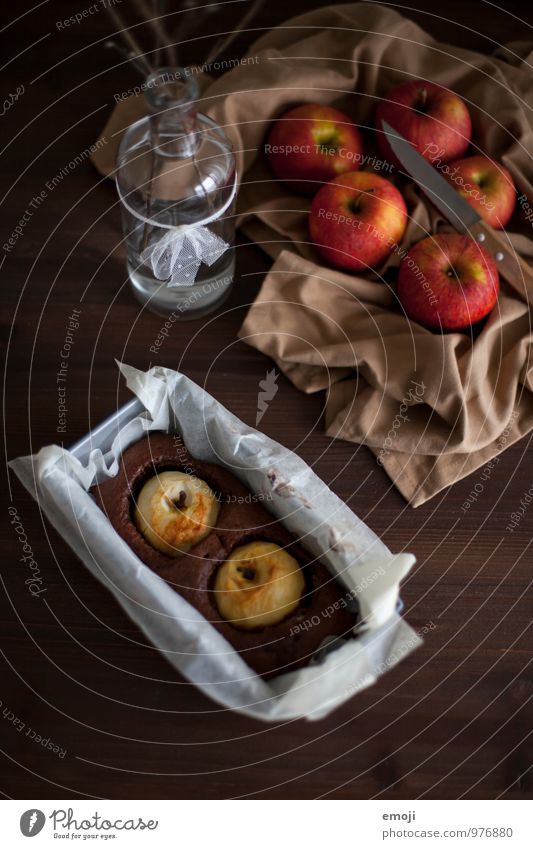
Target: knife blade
{"points": [[454, 207], [460, 214]]}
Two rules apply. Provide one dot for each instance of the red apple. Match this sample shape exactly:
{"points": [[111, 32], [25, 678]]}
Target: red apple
{"points": [[309, 145], [448, 282], [356, 220], [434, 119], [487, 186]]}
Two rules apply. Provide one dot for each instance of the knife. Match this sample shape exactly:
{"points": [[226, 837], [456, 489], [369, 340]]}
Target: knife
{"points": [[461, 215]]}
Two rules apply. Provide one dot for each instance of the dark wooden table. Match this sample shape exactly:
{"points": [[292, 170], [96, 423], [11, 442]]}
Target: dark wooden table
{"points": [[452, 720]]}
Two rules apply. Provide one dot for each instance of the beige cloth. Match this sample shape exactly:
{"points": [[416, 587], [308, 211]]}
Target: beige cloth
{"points": [[431, 407]]}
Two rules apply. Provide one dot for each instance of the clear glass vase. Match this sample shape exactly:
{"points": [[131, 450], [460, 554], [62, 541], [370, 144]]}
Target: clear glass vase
{"points": [[176, 181]]}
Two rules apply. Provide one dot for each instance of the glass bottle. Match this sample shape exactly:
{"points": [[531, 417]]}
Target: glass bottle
{"points": [[176, 181]]}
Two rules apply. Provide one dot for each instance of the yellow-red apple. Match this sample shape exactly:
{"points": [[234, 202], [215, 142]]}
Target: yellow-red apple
{"points": [[487, 186], [310, 144], [434, 119], [448, 282], [356, 220]]}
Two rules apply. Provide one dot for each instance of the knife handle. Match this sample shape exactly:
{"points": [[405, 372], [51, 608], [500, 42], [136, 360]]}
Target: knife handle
{"points": [[509, 264]]}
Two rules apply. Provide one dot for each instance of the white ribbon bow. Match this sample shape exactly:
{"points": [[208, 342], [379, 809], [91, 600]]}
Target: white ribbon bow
{"points": [[179, 253]]}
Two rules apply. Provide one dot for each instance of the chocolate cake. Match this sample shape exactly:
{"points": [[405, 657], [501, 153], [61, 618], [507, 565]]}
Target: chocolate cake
{"points": [[321, 612]]}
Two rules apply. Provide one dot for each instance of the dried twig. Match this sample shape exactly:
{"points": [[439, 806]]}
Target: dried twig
{"points": [[125, 34], [189, 23], [126, 54], [152, 19], [222, 44], [158, 10], [149, 190]]}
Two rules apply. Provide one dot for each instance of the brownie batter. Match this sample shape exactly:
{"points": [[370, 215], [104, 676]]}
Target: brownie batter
{"points": [[270, 650]]}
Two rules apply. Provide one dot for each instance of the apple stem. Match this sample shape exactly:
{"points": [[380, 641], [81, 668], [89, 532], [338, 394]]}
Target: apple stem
{"points": [[354, 206], [179, 501], [422, 98]]}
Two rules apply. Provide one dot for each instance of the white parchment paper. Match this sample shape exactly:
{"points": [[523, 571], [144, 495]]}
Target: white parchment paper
{"points": [[326, 526]]}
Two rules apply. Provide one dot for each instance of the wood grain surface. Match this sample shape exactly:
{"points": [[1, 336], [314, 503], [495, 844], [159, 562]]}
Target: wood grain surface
{"points": [[453, 720]]}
